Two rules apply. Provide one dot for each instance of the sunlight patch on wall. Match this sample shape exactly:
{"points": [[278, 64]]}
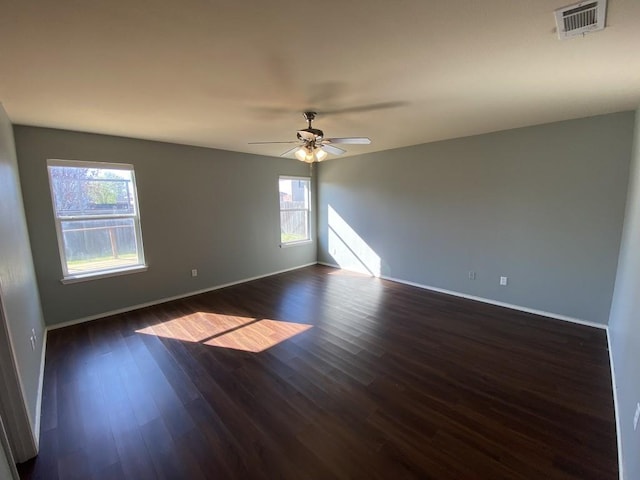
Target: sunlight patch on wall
{"points": [[227, 331], [348, 249]]}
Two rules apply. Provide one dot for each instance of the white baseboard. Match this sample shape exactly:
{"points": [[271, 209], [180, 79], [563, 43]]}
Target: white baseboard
{"points": [[168, 299], [40, 389], [489, 301], [616, 410]]}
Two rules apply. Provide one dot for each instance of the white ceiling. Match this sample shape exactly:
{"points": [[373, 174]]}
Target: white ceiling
{"points": [[221, 74]]}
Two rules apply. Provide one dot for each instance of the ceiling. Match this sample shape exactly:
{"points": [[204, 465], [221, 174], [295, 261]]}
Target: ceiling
{"points": [[222, 74]]}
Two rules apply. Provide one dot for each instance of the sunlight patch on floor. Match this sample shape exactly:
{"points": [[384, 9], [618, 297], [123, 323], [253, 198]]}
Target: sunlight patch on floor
{"points": [[196, 327], [349, 273], [258, 336], [226, 331]]}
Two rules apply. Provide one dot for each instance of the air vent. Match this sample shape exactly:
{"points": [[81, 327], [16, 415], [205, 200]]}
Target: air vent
{"points": [[580, 18]]}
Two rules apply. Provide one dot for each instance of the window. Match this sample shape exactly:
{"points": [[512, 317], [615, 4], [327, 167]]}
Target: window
{"points": [[295, 208], [97, 219]]}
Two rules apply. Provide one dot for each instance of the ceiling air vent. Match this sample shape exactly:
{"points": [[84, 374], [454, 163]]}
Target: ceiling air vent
{"points": [[580, 18]]}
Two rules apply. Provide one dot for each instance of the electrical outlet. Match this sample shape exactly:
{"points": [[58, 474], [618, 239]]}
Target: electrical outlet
{"points": [[636, 417], [33, 334], [503, 280], [194, 272], [472, 275]]}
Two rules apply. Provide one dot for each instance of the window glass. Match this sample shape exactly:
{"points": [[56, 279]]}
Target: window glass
{"points": [[96, 213], [295, 211]]}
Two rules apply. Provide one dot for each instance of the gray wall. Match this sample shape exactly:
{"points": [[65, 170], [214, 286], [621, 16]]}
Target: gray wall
{"points": [[213, 210], [5, 469], [541, 205], [624, 323], [19, 303]]}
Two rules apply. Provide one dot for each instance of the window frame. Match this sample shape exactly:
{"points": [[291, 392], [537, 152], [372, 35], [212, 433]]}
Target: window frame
{"points": [[308, 210], [59, 219]]}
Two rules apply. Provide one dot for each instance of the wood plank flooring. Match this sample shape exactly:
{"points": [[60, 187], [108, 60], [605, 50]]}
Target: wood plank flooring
{"points": [[322, 374]]}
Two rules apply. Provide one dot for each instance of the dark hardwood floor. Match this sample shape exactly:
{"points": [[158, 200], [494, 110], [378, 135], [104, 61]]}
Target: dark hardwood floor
{"points": [[323, 374]]}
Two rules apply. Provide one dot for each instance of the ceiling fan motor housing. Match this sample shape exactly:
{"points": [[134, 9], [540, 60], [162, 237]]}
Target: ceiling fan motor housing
{"points": [[310, 134]]}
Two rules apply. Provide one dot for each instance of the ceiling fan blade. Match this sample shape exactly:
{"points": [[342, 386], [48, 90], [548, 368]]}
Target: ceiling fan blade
{"points": [[350, 140], [290, 151], [265, 143], [332, 149]]}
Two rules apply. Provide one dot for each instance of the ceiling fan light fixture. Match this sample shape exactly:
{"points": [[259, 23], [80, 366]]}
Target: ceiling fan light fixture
{"points": [[301, 154], [308, 155], [320, 154], [304, 154]]}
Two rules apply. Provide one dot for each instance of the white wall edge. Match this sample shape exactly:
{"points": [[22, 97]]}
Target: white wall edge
{"points": [[25, 446], [169, 299], [4, 445], [40, 390], [616, 410], [542, 313]]}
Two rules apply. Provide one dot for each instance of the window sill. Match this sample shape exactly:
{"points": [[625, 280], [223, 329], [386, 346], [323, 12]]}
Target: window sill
{"points": [[106, 274], [295, 244]]}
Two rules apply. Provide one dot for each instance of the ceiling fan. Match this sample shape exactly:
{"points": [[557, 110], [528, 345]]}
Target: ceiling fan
{"points": [[312, 146]]}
